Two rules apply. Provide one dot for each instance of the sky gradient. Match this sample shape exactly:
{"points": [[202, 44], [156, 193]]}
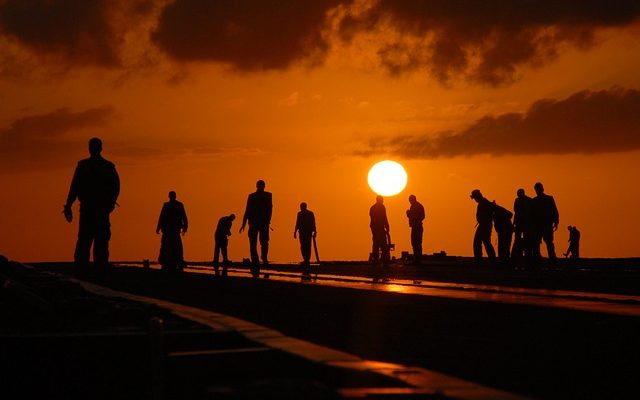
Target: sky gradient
{"points": [[205, 98]]}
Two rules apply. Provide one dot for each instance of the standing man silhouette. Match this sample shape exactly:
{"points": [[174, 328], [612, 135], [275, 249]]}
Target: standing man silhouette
{"points": [[306, 228], [416, 215], [484, 219], [379, 231], [96, 185], [221, 236], [258, 213], [523, 226], [172, 222], [546, 220]]}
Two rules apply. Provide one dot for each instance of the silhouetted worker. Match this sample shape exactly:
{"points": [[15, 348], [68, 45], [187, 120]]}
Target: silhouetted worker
{"points": [[379, 231], [96, 185], [574, 243], [484, 218], [258, 213], [523, 226], [172, 222], [221, 237], [306, 229], [416, 215], [545, 222], [504, 229]]}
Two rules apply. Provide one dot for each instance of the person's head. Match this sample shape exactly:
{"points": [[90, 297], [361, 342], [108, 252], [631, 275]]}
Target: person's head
{"points": [[570, 228], [476, 195], [95, 146], [379, 199], [303, 206], [412, 199], [520, 192], [538, 188], [260, 185], [232, 217], [172, 195]]}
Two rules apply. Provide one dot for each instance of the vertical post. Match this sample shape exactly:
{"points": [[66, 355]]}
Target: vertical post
{"points": [[156, 336]]}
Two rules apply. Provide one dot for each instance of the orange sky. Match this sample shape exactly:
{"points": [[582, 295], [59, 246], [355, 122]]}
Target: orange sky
{"points": [[205, 98]]}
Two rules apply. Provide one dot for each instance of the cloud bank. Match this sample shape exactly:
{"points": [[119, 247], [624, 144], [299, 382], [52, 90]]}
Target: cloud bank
{"points": [[42, 140], [77, 31], [484, 41], [246, 34], [587, 122]]}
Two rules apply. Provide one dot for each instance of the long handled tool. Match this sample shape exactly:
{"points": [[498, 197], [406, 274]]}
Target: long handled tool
{"points": [[315, 250]]}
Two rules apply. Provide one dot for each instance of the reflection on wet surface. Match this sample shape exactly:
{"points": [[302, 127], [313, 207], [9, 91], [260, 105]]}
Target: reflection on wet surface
{"points": [[582, 301]]}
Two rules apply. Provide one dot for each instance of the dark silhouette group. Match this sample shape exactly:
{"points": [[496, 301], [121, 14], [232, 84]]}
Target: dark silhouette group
{"points": [[535, 221], [96, 185]]}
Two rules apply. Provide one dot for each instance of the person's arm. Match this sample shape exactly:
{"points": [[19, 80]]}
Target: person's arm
{"points": [[297, 227], [245, 216], [73, 194], [556, 214], [185, 221], [116, 188], [313, 225], [269, 209], [160, 220], [386, 221]]}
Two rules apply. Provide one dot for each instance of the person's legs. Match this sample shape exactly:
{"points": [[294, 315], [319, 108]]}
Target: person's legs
{"points": [[264, 244], [101, 241], [305, 247], [547, 236], [416, 243], [81, 255]]}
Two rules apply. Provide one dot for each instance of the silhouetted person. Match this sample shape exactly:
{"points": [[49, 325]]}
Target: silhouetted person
{"points": [[379, 231], [484, 219], [306, 230], [545, 222], [504, 229], [258, 213], [523, 227], [574, 243], [416, 215], [221, 237], [96, 185], [172, 222]]}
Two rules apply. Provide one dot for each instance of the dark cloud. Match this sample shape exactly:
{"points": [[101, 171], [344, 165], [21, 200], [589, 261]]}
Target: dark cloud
{"points": [[485, 41], [44, 140], [246, 34], [78, 31], [587, 122]]}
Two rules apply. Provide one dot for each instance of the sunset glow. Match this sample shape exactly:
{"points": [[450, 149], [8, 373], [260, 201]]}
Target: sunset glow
{"points": [[206, 97]]}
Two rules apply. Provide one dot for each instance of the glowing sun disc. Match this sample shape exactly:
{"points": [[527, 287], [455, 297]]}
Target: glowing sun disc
{"points": [[387, 178]]}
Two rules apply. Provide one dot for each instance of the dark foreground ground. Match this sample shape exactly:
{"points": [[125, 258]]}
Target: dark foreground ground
{"points": [[542, 352]]}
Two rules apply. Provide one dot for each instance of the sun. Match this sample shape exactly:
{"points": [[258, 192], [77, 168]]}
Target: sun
{"points": [[387, 178]]}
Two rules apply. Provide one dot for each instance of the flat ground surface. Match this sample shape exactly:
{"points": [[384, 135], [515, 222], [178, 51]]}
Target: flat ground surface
{"points": [[541, 350]]}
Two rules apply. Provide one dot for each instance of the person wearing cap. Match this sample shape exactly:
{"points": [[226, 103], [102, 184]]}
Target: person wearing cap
{"points": [[416, 215], [484, 218]]}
